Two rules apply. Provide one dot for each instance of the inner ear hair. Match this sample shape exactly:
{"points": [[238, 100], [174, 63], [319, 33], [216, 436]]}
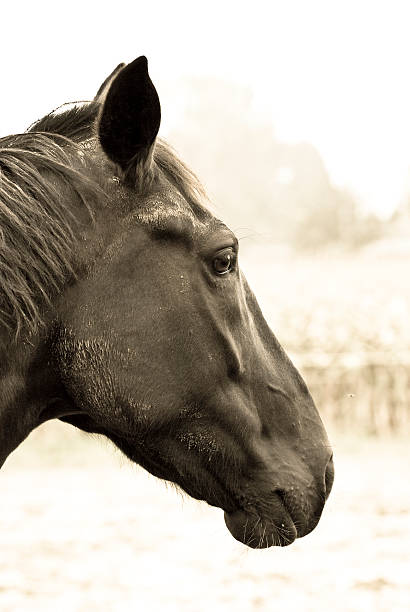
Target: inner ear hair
{"points": [[141, 172]]}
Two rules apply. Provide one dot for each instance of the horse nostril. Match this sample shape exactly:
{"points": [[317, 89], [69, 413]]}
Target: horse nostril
{"points": [[329, 476]]}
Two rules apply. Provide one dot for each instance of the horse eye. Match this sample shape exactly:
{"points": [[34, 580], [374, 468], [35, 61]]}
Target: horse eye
{"points": [[224, 261]]}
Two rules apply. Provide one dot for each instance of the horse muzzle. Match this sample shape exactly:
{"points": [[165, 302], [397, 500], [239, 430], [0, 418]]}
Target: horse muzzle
{"points": [[289, 513], [255, 531]]}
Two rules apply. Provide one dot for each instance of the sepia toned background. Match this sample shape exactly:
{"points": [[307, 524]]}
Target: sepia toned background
{"points": [[295, 116]]}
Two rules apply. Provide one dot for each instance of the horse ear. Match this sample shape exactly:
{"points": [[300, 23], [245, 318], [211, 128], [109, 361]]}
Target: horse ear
{"points": [[102, 92], [130, 117]]}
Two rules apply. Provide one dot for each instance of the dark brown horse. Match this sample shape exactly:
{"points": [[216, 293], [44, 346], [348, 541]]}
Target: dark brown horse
{"points": [[123, 311]]}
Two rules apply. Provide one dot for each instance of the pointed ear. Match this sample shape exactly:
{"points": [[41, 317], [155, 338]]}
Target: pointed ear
{"points": [[130, 117], [102, 92]]}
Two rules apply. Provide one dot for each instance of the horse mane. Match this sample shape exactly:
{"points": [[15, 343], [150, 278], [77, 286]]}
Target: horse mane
{"points": [[37, 229], [74, 120]]}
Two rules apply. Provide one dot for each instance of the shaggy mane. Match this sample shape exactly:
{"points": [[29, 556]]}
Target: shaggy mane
{"points": [[37, 229], [75, 123]]}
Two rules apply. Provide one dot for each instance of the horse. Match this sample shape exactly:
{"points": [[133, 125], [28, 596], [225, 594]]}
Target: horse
{"points": [[124, 312]]}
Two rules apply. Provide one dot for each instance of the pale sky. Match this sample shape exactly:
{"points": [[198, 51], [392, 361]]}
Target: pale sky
{"points": [[334, 73]]}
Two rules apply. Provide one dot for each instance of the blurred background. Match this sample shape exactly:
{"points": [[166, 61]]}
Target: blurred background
{"points": [[295, 116]]}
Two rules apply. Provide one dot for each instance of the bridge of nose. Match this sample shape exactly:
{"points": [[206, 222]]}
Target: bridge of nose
{"points": [[289, 442]]}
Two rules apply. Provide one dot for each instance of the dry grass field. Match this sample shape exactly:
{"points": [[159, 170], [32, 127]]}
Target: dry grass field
{"points": [[83, 530]]}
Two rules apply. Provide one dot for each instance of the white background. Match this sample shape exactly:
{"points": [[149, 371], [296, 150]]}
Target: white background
{"points": [[334, 73]]}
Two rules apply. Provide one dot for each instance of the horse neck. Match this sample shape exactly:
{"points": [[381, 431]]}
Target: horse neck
{"points": [[26, 387]]}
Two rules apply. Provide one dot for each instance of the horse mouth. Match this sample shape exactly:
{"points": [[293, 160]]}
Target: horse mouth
{"points": [[273, 519], [255, 528], [256, 531]]}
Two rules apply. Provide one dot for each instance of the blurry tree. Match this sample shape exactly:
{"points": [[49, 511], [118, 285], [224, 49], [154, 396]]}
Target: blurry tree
{"points": [[257, 183]]}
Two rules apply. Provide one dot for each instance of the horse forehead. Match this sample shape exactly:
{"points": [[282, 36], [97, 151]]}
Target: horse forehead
{"points": [[167, 212]]}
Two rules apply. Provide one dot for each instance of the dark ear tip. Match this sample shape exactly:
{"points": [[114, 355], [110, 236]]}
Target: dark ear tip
{"points": [[140, 64]]}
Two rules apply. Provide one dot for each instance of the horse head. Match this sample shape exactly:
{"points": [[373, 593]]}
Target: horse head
{"points": [[158, 343]]}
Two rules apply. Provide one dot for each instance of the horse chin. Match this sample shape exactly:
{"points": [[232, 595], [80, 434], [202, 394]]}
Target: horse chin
{"points": [[257, 532]]}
